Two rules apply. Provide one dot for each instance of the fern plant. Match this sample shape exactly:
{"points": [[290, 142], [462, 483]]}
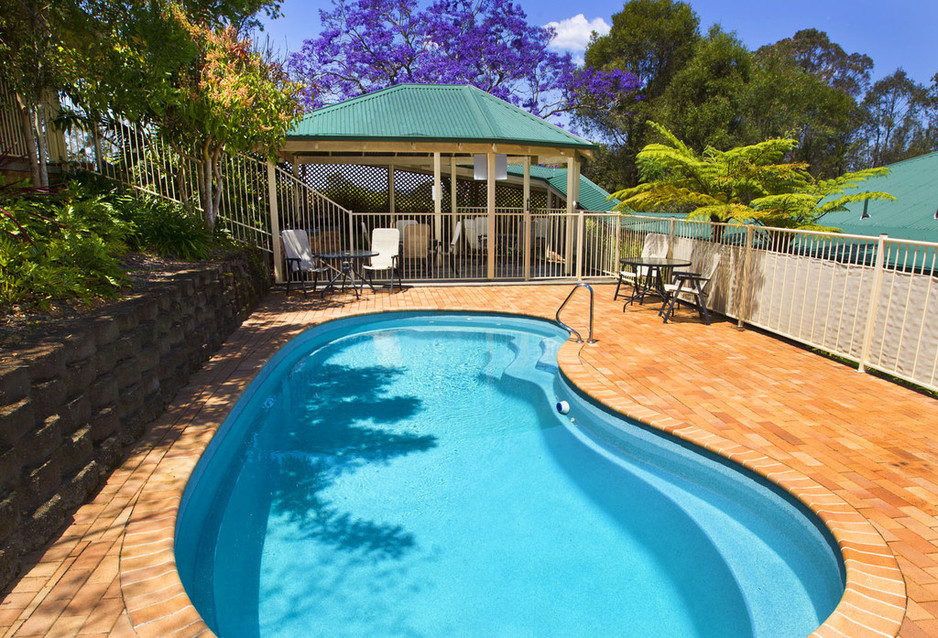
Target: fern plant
{"points": [[742, 184]]}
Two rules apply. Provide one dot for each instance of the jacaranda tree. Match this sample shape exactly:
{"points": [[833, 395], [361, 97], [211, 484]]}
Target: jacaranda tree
{"points": [[366, 45]]}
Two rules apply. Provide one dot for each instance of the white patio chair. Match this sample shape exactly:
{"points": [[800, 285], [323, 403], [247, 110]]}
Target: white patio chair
{"points": [[299, 260], [365, 236], [655, 245], [471, 229], [402, 224], [454, 248], [415, 247], [385, 242]]}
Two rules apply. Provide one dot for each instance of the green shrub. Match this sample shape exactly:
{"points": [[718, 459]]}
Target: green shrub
{"points": [[56, 246], [165, 228]]}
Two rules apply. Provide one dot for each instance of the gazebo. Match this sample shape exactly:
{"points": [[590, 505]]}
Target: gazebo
{"points": [[445, 138]]}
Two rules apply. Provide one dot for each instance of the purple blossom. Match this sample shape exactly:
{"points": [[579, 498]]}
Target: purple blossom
{"points": [[366, 45]]}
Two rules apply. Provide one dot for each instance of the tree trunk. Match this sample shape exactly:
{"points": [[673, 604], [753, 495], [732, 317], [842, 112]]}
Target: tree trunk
{"points": [[40, 133], [31, 148], [207, 192]]}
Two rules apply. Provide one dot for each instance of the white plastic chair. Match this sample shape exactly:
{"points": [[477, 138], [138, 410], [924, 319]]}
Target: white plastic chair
{"points": [[453, 250], [471, 228], [299, 260], [402, 224], [415, 246], [386, 242]]}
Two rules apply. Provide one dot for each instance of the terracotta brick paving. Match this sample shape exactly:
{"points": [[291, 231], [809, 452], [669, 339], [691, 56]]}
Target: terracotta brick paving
{"points": [[859, 450]]}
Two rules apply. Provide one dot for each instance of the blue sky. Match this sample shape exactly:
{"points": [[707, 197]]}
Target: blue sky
{"points": [[895, 33]]}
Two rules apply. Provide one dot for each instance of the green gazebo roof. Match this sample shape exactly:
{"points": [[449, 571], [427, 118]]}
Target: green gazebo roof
{"points": [[409, 113]]}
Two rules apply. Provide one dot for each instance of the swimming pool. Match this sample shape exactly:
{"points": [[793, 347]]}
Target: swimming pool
{"points": [[408, 474]]}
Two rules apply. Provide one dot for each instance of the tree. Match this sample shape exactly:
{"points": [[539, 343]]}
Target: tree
{"points": [[893, 125], [653, 39], [31, 63], [367, 45], [782, 99], [814, 53], [230, 100], [746, 183], [816, 198], [704, 104]]}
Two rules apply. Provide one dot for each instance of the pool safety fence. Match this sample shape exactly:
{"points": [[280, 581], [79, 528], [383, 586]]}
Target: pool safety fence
{"points": [[871, 300]]}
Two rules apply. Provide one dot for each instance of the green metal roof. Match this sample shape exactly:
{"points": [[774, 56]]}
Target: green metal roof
{"points": [[914, 184], [592, 197], [427, 112]]}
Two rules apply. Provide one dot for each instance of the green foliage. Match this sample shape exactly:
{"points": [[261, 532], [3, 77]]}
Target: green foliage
{"points": [[898, 120], [654, 39], [746, 183], [816, 198], [165, 228], [58, 246]]}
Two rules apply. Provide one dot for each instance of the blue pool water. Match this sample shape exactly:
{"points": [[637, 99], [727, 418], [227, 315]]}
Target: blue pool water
{"points": [[409, 475]]}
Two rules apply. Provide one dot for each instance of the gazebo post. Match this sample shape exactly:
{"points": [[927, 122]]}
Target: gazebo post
{"points": [[490, 206], [572, 178], [437, 197], [453, 202], [391, 207], [274, 221], [526, 199]]}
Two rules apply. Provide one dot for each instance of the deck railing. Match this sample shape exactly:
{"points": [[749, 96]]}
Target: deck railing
{"points": [[468, 245]]}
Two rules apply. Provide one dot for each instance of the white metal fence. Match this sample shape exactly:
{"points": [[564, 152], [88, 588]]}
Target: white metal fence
{"points": [[509, 246], [871, 300]]}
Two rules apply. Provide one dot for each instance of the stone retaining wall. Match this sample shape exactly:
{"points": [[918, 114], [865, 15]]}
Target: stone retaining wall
{"points": [[72, 403]]}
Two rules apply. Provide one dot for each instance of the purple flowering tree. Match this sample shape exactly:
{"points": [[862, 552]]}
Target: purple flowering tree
{"points": [[366, 45]]}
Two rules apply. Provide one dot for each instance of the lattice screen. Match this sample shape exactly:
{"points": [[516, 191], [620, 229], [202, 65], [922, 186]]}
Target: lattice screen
{"points": [[364, 189]]}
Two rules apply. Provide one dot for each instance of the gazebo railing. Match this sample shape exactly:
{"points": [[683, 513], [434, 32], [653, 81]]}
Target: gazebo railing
{"points": [[510, 246]]}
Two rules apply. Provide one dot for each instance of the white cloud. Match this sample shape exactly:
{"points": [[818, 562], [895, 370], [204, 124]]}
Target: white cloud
{"points": [[573, 34]]}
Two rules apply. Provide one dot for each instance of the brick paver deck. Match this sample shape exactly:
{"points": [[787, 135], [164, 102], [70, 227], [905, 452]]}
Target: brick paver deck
{"points": [[861, 451]]}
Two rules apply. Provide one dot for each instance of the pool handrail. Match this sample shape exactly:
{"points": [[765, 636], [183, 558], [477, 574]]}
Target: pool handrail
{"points": [[579, 338]]}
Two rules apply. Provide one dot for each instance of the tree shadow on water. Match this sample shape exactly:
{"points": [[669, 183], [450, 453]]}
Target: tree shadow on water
{"points": [[339, 419]]}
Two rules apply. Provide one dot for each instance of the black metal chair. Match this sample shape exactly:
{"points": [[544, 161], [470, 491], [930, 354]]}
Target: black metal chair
{"points": [[691, 285]]}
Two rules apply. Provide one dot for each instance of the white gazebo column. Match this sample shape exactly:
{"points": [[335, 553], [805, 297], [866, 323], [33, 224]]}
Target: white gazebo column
{"points": [[437, 198], [490, 206], [274, 221], [298, 212], [453, 199], [580, 220], [391, 190], [526, 199], [572, 178]]}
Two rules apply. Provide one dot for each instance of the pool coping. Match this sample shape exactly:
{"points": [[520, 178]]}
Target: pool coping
{"points": [[874, 601]]}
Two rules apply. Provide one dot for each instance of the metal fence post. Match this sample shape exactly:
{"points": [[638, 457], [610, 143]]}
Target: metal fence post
{"points": [[746, 284], [874, 300], [672, 230]]}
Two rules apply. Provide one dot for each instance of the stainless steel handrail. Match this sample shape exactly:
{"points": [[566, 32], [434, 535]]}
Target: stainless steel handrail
{"points": [[579, 338]]}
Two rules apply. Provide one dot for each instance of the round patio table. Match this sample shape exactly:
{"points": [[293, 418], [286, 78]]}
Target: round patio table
{"points": [[349, 267], [650, 276]]}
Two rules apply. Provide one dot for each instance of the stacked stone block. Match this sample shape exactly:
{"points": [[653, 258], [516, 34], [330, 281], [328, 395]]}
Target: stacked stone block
{"points": [[72, 403]]}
